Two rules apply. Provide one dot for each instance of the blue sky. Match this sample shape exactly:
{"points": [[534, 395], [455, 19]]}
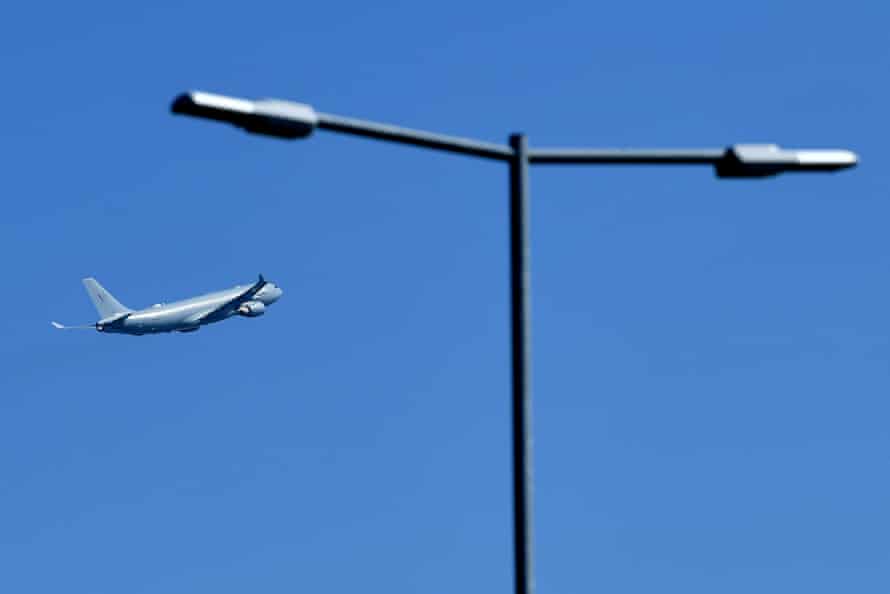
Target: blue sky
{"points": [[711, 357]]}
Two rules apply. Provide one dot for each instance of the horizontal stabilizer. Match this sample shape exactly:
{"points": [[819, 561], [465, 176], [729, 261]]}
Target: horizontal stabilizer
{"points": [[63, 327], [112, 319]]}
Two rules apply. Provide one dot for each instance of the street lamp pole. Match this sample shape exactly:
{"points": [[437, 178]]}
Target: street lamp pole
{"points": [[288, 120], [520, 318]]}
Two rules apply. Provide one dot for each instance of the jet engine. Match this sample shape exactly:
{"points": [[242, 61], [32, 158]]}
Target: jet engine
{"points": [[252, 309]]}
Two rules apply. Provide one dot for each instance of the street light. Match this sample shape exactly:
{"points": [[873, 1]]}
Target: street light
{"points": [[285, 119]]}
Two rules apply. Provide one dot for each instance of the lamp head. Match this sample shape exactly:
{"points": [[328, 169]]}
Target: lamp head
{"points": [[270, 117], [764, 160]]}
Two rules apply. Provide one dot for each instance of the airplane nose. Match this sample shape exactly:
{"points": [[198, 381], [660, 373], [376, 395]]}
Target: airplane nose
{"points": [[277, 293]]}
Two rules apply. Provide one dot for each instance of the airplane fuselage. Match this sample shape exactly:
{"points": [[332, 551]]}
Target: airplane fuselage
{"points": [[186, 315]]}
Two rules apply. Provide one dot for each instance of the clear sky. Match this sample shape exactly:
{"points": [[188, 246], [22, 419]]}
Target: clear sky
{"points": [[712, 358]]}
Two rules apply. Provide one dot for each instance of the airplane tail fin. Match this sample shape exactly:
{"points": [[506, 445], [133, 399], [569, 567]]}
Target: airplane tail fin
{"points": [[105, 303]]}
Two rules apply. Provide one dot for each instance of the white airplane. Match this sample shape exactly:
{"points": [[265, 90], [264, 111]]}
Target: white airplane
{"points": [[181, 316]]}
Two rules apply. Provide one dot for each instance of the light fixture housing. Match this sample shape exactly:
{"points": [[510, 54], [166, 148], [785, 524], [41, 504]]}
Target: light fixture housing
{"points": [[765, 160], [269, 117]]}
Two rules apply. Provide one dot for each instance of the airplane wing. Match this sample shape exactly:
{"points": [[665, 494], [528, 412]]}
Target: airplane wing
{"points": [[233, 303]]}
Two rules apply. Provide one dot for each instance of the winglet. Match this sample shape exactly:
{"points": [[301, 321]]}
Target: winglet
{"points": [[262, 280]]}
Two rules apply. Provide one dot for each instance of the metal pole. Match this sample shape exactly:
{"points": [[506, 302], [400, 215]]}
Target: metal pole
{"points": [[520, 283], [442, 142]]}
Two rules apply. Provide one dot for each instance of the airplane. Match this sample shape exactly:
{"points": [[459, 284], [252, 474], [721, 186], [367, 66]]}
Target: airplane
{"points": [[181, 316]]}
